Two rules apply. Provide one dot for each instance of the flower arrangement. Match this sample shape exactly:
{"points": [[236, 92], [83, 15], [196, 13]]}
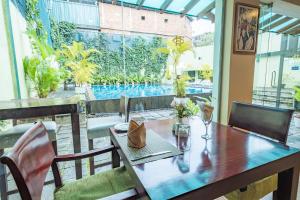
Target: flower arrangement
{"points": [[185, 109]]}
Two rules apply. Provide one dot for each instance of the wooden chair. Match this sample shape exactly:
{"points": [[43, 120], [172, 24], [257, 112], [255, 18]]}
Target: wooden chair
{"points": [[269, 122], [10, 136], [32, 156], [98, 127]]}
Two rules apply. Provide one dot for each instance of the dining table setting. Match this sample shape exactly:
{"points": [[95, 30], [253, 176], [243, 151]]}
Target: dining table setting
{"points": [[167, 165]]}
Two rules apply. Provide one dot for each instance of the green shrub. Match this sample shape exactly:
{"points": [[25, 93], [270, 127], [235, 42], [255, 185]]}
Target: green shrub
{"points": [[41, 75], [297, 93], [76, 57], [38, 69]]}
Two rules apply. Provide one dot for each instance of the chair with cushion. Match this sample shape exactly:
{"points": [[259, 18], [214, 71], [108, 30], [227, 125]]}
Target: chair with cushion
{"points": [[32, 156], [99, 127], [269, 122], [10, 136]]}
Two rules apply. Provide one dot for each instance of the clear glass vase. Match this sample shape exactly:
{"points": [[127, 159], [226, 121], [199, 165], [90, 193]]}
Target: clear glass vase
{"points": [[183, 136]]}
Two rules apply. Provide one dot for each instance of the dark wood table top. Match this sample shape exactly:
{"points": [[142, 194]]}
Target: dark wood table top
{"points": [[231, 154], [25, 108]]}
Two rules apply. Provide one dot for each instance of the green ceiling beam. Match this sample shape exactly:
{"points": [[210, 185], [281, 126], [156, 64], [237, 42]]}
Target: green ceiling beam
{"points": [[277, 23], [140, 3], [269, 20], [291, 25], [189, 6], [293, 31], [165, 5], [206, 10]]}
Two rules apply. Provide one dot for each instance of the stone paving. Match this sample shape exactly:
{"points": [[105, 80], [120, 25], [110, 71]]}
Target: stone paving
{"points": [[65, 146]]}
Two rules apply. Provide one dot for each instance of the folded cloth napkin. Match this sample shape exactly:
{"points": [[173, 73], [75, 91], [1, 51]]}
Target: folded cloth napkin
{"points": [[136, 135]]}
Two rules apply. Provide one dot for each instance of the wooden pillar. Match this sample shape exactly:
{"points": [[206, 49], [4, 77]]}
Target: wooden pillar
{"points": [[237, 70]]}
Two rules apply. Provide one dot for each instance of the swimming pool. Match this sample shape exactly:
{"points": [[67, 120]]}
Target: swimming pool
{"points": [[104, 92]]}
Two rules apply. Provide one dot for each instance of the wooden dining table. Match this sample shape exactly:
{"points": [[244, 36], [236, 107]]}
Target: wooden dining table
{"points": [[230, 160]]}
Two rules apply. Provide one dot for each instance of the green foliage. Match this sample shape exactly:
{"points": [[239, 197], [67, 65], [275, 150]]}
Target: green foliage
{"points": [[138, 54], [206, 72], [138, 57], [77, 59], [168, 74], [207, 101], [297, 93], [31, 12], [39, 73], [175, 51], [62, 33], [38, 69], [188, 110], [180, 85], [32, 16]]}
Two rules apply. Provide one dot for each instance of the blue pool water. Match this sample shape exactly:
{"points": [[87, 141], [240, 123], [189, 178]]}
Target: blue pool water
{"points": [[103, 92]]}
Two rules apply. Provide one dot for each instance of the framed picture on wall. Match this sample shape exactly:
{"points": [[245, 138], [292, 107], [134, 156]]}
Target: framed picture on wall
{"points": [[245, 28]]}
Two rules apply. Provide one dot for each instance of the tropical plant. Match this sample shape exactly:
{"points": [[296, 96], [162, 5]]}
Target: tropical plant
{"points": [[77, 59], [206, 72], [297, 93], [39, 69], [176, 50], [188, 109], [181, 82], [168, 74], [44, 78], [176, 47]]}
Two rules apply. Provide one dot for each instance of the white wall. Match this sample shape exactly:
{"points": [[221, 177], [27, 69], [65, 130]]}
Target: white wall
{"points": [[22, 44], [6, 81]]}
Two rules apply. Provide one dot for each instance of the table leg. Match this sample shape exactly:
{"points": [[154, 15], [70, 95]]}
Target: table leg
{"points": [[3, 181], [115, 158], [288, 184], [76, 142]]}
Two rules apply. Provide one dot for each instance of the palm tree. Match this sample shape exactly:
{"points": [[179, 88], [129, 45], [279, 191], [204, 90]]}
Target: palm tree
{"points": [[176, 47], [77, 59]]}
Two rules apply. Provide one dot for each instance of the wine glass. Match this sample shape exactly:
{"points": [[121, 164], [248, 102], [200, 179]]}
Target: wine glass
{"points": [[206, 119]]}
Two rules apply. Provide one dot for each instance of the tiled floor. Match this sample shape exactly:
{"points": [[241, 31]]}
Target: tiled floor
{"points": [[65, 146]]}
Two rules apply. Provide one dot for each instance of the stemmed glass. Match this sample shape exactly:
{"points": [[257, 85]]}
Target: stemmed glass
{"points": [[206, 119], [206, 115]]}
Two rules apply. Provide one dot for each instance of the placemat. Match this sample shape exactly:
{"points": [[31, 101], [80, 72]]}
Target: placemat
{"points": [[154, 144]]}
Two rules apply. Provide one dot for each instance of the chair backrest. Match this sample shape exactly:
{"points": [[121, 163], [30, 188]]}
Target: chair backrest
{"points": [[125, 107], [30, 160], [270, 122]]}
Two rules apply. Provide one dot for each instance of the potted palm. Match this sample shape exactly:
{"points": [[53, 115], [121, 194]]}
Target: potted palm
{"points": [[77, 58]]}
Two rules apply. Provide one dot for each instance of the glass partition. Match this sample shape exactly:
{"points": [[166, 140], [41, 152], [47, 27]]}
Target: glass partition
{"points": [[277, 69], [131, 42]]}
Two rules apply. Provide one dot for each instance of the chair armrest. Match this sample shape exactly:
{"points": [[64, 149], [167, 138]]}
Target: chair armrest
{"points": [[77, 156]]}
